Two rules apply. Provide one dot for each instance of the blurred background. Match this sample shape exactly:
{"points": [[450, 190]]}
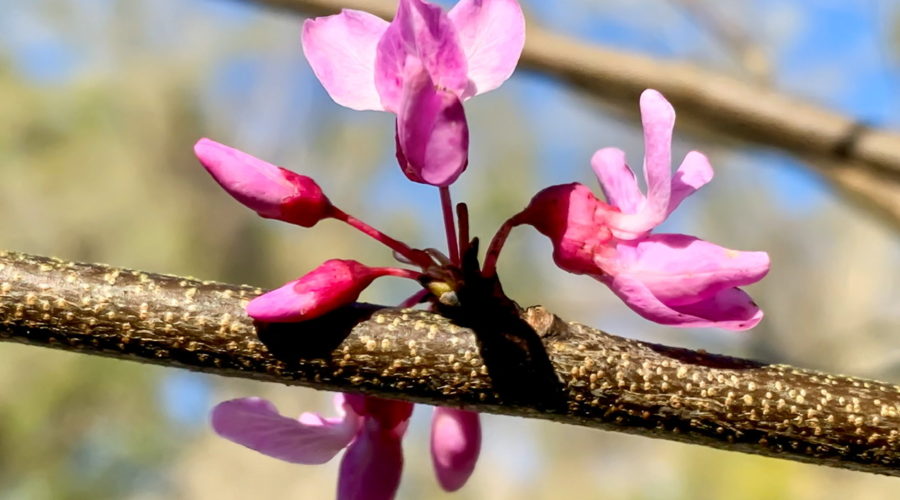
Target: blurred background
{"points": [[101, 101]]}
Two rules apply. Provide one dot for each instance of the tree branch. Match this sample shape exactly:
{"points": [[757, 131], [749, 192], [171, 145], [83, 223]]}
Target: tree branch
{"points": [[598, 380], [860, 161]]}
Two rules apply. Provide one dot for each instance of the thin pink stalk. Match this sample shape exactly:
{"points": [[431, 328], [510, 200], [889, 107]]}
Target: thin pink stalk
{"points": [[398, 272], [395, 245], [462, 213], [449, 226], [414, 299], [493, 252]]}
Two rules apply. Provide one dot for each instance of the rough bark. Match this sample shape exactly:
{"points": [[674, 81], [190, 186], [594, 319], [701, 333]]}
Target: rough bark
{"points": [[534, 365]]}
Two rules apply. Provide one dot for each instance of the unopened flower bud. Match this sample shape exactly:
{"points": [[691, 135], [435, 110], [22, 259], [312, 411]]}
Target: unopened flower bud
{"points": [[273, 192], [333, 284]]}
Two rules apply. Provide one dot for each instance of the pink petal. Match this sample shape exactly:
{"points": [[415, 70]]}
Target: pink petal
{"points": [[694, 172], [341, 50], [680, 269], [340, 407], [420, 32], [492, 35], [432, 133], [658, 119], [617, 180], [731, 309], [257, 184], [333, 284], [256, 424], [455, 445], [371, 467], [273, 192]]}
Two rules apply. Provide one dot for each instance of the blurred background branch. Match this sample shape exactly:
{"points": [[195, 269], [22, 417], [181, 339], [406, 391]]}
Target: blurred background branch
{"points": [[597, 379], [862, 162]]}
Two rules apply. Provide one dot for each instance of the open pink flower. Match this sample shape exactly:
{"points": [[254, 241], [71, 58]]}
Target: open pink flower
{"points": [[335, 283], [672, 279], [420, 66], [371, 429]]}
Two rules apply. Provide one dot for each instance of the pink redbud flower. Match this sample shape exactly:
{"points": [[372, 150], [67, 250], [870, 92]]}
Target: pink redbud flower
{"points": [[273, 192], [455, 445], [369, 428], [673, 279], [420, 66], [335, 283]]}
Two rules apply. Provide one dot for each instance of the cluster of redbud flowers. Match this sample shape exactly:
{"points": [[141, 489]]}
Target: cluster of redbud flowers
{"points": [[422, 66]]}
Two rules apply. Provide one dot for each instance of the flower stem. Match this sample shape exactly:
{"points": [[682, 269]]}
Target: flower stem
{"points": [[414, 299], [401, 248], [449, 226], [462, 213], [398, 272], [493, 252]]}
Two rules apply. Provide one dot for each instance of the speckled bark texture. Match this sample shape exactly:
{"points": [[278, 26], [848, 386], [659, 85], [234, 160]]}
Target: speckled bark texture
{"points": [[533, 365]]}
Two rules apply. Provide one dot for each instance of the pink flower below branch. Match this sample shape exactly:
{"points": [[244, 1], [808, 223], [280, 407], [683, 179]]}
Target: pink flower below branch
{"points": [[371, 430], [455, 445]]}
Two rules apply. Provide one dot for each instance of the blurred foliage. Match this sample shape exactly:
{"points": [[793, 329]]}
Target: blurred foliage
{"points": [[96, 165]]}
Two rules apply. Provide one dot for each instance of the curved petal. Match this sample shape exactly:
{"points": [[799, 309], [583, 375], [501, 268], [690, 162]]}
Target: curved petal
{"points": [[336, 282], [693, 173], [341, 50], [455, 445], [256, 424], [658, 120], [371, 467], [432, 133], [420, 32], [731, 309], [617, 180], [340, 407], [492, 35], [680, 269]]}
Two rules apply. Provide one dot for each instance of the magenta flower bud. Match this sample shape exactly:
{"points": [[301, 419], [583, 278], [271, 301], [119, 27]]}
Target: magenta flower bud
{"points": [[333, 284], [273, 192], [455, 445]]}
